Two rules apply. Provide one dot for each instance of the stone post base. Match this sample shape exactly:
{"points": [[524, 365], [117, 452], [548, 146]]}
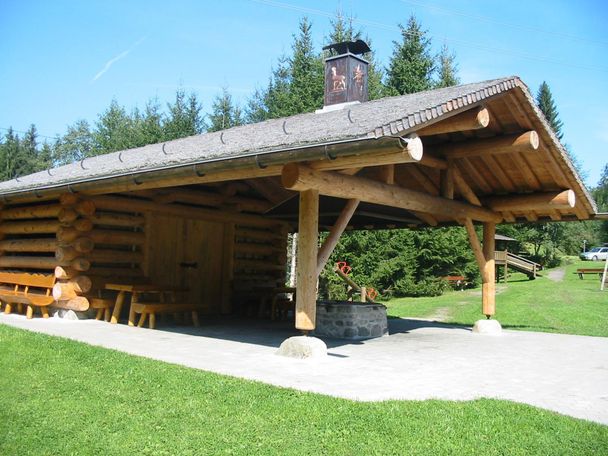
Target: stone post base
{"points": [[491, 327], [303, 347]]}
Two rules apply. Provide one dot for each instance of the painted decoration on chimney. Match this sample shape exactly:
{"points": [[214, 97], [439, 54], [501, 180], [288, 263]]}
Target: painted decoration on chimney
{"points": [[345, 79]]}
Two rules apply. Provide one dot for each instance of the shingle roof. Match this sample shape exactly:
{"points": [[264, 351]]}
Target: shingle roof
{"points": [[374, 119]]}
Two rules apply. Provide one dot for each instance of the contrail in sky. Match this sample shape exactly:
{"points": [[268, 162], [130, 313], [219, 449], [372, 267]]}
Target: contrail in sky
{"points": [[113, 60]]}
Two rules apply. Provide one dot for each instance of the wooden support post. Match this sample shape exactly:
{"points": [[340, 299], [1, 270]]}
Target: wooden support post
{"points": [[447, 181], [488, 291], [334, 234], [228, 267], [306, 297]]}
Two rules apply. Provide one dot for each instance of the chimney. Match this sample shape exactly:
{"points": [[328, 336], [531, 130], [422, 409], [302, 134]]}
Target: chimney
{"points": [[346, 74]]}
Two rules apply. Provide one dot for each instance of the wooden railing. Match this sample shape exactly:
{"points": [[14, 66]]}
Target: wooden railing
{"points": [[517, 262]]}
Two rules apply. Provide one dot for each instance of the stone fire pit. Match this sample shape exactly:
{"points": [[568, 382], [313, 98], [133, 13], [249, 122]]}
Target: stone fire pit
{"points": [[351, 320]]}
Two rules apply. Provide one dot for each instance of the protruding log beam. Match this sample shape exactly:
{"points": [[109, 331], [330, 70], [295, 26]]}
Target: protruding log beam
{"points": [[66, 253], [68, 199], [79, 304], [524, 142], [488, 288], [63, 292], [65, 272], [299, 177], [308, 233], [473, 119], [83, 225], [83, 244], [334, 234], [67, 215], [28, 245], [85, 208], [541, 202], [410, 152]]}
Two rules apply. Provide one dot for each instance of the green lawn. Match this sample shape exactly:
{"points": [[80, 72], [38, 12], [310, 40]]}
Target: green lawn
{"points": [[61, 397], [572, 306]]}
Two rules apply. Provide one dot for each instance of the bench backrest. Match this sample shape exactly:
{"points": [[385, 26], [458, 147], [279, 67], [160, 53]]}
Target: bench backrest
{"points": [[27, 279]]}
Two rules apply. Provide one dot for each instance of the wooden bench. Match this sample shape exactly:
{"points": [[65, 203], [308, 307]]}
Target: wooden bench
{"points": [[150, 310], [456, 281], [31, 290], [581, 272]]}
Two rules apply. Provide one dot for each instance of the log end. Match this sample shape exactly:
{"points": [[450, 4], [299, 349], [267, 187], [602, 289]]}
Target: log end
{"points": [[414, 147], [483, 118], [290, 175], [534, 140]]}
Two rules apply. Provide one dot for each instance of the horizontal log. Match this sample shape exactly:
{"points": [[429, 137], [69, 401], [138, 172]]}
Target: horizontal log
{"points": [[31, 212], [30, 227], [133, 205], [85, 208], [506, 144], [259, 265], [78, 304], [540, 202], [411, 152], [300, 178], [473, 119], [258, 235], [257, 249], [115, 256], [115, 272], [114, 219], [28, 245], [117, 237], [80, 264], [83, 244], [204, 198], [65, 272], [20, 262]]}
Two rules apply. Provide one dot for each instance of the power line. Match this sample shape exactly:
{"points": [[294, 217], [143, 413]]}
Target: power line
{"points": [[504, 24], [468, 44], [25, 133]]}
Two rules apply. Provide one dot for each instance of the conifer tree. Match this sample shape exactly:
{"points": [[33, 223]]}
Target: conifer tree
{"points": [[448, 68], [544, 100], [113, 130], [77, 143], [184, 117], [411, 66], [306, 73], [224, 113], [9, 155]]}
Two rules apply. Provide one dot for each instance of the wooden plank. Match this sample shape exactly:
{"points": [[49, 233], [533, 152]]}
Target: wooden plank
{"points": [[308, 234]]}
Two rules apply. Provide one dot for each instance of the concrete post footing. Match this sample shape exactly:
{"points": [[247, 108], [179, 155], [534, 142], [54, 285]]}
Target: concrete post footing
{"points": [[302, 347], [491, 327]]}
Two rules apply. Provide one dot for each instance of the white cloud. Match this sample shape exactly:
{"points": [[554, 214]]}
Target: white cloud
{"points": [[113, 60]]}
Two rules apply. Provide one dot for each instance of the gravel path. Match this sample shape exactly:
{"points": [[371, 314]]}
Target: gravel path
{"points": [[557, 275]]}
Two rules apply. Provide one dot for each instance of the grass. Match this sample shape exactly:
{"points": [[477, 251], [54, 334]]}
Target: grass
{"points": [[572, 306], [64, 397]]}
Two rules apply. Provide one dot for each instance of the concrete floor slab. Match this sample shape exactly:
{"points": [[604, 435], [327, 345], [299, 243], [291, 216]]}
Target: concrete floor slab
{"points": [[419, 360]]}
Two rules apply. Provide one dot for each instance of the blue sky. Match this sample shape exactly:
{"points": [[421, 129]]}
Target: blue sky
{"points": [[65, 60]]}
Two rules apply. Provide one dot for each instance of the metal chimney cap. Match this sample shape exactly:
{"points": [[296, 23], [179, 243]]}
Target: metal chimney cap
{"points": [[353, 47]]}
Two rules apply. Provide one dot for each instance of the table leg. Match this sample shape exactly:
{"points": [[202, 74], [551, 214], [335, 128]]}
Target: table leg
{"points": [[120, 299], [132, 311]]}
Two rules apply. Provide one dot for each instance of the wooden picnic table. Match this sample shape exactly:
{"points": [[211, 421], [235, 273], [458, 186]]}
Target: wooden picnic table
{"points": [[135, 289]]}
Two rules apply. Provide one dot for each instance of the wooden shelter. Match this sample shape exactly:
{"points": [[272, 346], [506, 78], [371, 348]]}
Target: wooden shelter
{"points": [[211, 212]]}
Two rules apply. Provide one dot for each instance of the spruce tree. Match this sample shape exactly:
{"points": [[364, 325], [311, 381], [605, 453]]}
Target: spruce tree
{"points": [[544, 100], [10, 155], [224, 113], [113, 130], [448, 69], [411, 66], [184, 117], [77, 143], [306, 72]]}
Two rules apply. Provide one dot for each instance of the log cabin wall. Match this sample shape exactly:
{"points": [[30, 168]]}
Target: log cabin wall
{"points": [[260, 262], [39, 237]]}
